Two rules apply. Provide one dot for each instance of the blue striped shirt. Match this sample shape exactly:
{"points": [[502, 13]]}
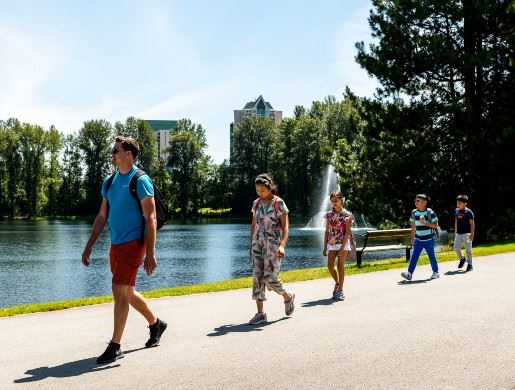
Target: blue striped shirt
{"points": [[423, 233]]}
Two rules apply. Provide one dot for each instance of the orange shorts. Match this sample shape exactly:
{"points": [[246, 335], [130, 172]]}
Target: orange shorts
{"points": [[125, 259]]}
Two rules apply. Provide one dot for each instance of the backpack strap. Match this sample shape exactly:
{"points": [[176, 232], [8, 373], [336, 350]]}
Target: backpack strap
{"points": [[133, 189], [429, 214], [276, 209], [108, 185], [133, 184], [256, 204]]}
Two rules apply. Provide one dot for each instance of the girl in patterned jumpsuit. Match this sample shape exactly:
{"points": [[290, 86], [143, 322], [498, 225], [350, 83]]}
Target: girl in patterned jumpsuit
{"points": [[269, 234]]}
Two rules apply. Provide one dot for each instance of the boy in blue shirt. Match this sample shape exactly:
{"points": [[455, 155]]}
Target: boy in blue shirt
{"points": [[423, 220], [464, 227]]}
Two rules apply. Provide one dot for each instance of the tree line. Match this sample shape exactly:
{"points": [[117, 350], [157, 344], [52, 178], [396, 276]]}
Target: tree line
{"points": [[442, 122], [47, 173]]}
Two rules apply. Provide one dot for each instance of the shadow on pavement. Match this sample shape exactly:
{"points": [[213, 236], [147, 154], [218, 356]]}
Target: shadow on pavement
{"points": [[242, 328], [408, 282], [320, 302], [457, 272], [76, 368]]}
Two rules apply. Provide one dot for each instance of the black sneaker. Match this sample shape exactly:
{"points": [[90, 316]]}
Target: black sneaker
{"points": [[470, 268], [111, 354], [156, 331], [462, 262]]}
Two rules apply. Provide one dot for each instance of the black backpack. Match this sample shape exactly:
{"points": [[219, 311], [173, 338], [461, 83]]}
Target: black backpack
{"points": [[161, 207]]}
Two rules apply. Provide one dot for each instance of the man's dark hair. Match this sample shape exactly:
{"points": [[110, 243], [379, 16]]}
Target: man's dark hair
{"points": [[129, 145]]}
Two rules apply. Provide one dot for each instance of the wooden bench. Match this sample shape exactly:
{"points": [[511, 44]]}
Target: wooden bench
{"points": [[402, 237]]}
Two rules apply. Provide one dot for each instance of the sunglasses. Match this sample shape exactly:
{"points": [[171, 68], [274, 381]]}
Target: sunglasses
{"points": [[114, 151], [418, 200]]}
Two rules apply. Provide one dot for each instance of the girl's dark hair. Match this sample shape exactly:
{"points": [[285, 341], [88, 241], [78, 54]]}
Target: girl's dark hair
{"points": [[337, 194], [267, 180]]}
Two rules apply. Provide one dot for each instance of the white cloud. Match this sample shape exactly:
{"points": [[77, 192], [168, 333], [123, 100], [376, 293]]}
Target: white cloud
{"points": [[355, 29], [182, 105], [206, 106], [27, 63]]}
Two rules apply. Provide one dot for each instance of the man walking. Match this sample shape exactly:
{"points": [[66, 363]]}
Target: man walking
{"points": [[130, 242]]}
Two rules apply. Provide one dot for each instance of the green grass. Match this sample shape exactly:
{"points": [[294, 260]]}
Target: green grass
{"points": [[287, 276], [209, 211]]}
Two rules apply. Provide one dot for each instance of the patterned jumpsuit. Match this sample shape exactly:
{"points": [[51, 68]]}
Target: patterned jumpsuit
{"points": [[265, 245]]}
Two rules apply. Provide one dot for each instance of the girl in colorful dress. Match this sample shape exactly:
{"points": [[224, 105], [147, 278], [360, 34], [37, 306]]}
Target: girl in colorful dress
{"points": [[338, 241], [269, 234]]}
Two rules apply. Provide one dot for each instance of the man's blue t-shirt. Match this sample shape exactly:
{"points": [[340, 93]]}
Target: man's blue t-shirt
{"points": [[124, 214], [463, 218]]}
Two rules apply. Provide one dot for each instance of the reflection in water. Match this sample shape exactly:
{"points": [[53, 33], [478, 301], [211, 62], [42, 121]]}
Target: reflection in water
{"points": [[40, 261]]}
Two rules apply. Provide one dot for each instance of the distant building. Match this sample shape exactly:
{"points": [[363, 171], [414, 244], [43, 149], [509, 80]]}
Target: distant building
{"points": [[162, 130], [259, 107]]}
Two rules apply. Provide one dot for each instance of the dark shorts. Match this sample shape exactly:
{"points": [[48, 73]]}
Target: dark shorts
{"points": [[125, 259]]}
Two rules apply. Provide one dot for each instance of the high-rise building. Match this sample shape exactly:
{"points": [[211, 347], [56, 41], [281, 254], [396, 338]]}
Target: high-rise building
{"points": [[259, 107], [162, 131]]}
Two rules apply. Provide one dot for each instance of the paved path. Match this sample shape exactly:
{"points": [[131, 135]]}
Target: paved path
{"points": [[457, 332]]}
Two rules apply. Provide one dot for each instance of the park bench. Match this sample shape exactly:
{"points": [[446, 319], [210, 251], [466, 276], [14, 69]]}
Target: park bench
{"points": [[401, 237]]}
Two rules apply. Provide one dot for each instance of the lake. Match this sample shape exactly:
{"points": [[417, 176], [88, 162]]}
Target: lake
{"points": [[40, 261]]}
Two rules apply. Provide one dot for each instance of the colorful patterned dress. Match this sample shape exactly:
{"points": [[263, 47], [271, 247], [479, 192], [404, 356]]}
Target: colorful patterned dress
{"points": [[337, 227], [265, 246]]}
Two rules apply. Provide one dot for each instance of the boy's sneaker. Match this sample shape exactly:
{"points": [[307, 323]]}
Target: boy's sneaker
{"points": [[462, 262], [156, 331], [339, 295], [406, 275], [258, 319], [335, 289], [111, 354], [469, 267], [435, 275], [289, 306]]}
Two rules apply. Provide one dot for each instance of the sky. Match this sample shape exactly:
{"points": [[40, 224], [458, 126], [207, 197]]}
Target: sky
{"points": [[65, 62]]}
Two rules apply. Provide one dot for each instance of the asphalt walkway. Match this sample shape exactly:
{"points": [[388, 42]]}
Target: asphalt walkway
{"points": [[456, 332]]}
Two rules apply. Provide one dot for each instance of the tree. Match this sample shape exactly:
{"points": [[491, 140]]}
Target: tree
{"points": [[253, 141], [53, 180], [10, 159], [161, 177], [71, 194], [303, 150], [451, 64], [32, 148], [186, 154], [307, 143], [220, 190], [96, 139]]}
